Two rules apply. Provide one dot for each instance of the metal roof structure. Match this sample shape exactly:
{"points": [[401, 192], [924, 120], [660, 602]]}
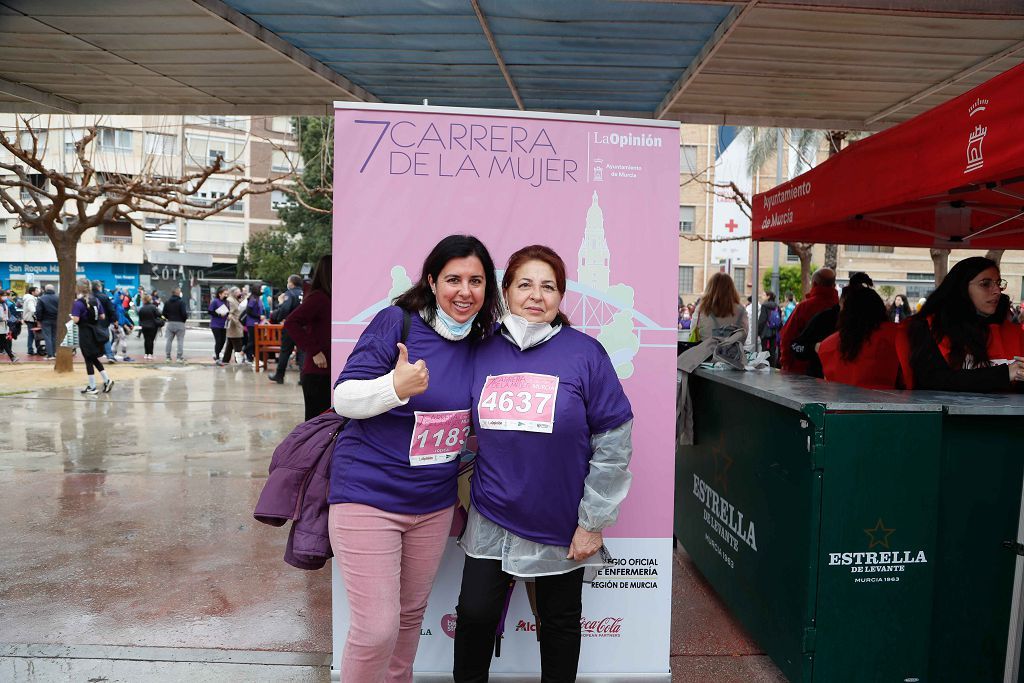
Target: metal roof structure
{"points": [[846, 64]]}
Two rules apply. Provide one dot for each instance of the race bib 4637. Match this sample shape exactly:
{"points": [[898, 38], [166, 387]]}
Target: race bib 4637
{"points": [[438, 437], [522, 402]]}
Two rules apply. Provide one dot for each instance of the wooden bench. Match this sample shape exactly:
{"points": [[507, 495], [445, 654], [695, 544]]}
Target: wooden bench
{"points": [[268, 341]]}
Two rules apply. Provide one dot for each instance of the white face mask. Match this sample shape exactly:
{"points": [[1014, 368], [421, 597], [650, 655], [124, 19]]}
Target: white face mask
{"points": [[525, 333]]}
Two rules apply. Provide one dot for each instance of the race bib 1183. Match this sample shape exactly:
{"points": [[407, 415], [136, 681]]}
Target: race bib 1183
{"points": [[522, 402], [438, 437]]}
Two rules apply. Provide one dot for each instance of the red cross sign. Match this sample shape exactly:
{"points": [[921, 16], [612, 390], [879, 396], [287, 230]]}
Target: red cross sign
{"points": [[732, 225]]}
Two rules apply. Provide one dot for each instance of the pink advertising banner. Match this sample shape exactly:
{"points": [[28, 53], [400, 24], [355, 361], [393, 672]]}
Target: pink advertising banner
{"points": [[603, 193]]}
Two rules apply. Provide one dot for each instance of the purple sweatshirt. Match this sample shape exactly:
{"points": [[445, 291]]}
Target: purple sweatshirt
{"points": [[401, 461], [217, 322], [534, 412]]}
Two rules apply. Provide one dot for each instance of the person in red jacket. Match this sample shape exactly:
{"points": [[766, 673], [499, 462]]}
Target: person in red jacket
{"points": [[822, 296], [863, 351], [309, 326], [963, 339]]}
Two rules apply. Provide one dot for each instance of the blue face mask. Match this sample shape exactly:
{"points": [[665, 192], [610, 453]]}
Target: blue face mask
{"points": [[457, 330]]}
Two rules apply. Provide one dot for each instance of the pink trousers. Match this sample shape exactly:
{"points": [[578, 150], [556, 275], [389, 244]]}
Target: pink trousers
{"points": [[388, 562]]}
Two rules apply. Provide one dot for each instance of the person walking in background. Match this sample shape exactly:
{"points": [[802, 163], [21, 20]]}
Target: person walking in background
{"points": [[46, 314], [93, 333], [267, 299], [234, 330], [33, 331], [6, 335], [788, 310], [823, 295], [900, 309], [124, 327], [293, 297], [109, 317], [310, 326], [254, 315], [149, 322], [769, 322], [176, 314], [218, 311]]}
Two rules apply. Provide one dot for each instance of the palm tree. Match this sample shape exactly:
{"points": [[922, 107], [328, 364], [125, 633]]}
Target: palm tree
{"points": [[762, 145]]}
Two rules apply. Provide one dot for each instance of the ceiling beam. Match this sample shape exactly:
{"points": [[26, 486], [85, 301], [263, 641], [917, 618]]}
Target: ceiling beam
{"points": [[250, 28], [987, 9], [51, 103], [956, 78], [497, 54], [716, 41]]}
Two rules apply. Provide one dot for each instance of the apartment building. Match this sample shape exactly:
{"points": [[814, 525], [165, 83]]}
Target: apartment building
{"points": [[177, 251], [907, 270]]}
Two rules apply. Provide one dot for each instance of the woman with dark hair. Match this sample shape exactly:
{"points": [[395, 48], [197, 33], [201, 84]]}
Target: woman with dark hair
{"points": [[405, 388], [149, 322], [309, 326], [218, 310], [87, 313], [254, 315], [863, 350], [900, 309], [553, 429], [720, 312], [962, 339]]}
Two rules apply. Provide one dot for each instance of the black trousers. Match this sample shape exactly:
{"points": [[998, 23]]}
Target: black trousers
{"points": [[481, 601], [92, 364], [287, 346], [148, 335], [233, 345], [316, 392], [219, 335]]}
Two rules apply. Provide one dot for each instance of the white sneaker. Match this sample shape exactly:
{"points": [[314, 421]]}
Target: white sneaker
{"points": [[92, 391], [107, 386]]}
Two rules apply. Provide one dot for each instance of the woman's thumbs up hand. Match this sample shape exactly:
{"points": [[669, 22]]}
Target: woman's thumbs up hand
{"points": [[411, 379]]}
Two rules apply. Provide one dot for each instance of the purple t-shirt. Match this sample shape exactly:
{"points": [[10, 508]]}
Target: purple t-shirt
{"points": [[217, 322], [533, 435], [79, 309], [372, 462]]}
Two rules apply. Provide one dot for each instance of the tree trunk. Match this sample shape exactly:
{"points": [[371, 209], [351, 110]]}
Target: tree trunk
{"points": [[940, 264], [804, 251], [995, 255], [835, 143], [67, 262], [831, 256]]}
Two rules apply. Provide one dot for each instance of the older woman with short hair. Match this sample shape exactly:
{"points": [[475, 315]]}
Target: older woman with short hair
{"points": [[553, 428]]}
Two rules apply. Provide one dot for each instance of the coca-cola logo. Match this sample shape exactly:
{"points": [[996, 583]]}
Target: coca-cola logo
{"points": [[608, 627], [448, 624]]}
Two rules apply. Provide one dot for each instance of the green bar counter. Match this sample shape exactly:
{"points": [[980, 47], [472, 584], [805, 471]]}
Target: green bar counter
{"points": [[858, 535]]}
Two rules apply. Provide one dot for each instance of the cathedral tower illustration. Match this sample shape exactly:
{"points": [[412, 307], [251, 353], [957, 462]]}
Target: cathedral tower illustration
{"points": [[594, 255]]}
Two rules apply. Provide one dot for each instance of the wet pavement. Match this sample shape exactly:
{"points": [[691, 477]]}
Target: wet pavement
{"points": [[130, 551]]}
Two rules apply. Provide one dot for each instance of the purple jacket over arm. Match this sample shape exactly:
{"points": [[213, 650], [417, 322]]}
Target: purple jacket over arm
{"points": [[296, 490]]}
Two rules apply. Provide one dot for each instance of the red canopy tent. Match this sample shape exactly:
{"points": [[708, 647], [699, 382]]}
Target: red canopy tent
{"points": [[952, 177]]}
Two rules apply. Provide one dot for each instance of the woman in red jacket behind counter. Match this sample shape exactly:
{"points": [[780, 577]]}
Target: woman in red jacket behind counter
{"points": [[863, 351], [310, 326]]}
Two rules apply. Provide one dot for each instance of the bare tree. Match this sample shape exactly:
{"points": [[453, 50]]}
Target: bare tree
{"points": [[62, 205]]}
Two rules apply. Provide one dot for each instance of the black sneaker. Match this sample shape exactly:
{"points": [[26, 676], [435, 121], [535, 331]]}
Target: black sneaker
{"points": [[107, 386], [92, 391]]}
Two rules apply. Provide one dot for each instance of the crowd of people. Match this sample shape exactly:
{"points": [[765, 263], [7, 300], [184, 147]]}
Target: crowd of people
{"points": [[965, 336]]}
